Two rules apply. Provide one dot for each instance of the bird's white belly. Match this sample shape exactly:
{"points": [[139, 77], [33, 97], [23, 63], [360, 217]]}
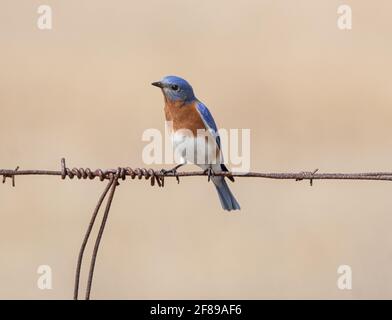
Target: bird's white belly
{"points": [[197, 150]]}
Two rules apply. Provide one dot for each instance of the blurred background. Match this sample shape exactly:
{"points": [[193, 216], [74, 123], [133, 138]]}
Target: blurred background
{"points": [[313, 96]]}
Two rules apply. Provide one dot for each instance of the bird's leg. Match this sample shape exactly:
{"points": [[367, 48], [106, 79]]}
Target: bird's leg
{"points": [[173, 171], [210, 173]]}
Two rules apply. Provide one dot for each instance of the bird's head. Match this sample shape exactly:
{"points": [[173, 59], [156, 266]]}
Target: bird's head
{"points": [[175, 89]]}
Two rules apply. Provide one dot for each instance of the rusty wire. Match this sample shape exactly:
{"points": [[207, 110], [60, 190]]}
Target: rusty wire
{"points": [[113, 184], [157, 177], [86, 237]]}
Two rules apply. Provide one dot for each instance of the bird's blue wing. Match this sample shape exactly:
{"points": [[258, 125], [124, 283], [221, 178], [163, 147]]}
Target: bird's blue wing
{"points": [[209, 121]]}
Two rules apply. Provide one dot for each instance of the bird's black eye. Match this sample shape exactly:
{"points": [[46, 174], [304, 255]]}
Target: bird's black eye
{"points": [[174, 87]]}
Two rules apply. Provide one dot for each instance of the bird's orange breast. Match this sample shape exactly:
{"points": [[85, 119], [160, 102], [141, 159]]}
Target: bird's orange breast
{"points": [[184, 116]]}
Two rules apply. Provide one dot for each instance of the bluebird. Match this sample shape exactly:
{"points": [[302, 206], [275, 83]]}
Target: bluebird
{"points": [[184, 111]]}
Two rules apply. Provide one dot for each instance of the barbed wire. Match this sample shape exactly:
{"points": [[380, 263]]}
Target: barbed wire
{"points": [[158, 177]]}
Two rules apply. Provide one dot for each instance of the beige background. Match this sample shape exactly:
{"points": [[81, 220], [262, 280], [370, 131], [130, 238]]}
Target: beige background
{"points": [[313, 96]]}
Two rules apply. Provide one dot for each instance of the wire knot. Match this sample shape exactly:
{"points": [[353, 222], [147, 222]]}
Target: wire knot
{"points": [[307, 175], [10, 174], [120, 173], [148, 174]]}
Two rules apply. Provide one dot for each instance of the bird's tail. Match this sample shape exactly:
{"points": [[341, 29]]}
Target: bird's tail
{"points": [[226, 198]]}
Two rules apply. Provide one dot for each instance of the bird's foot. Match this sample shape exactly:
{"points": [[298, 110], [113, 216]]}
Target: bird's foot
{"points": [[210, 173], [172, 171]]}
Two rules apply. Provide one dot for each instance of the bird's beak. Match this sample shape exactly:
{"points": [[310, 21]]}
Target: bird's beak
{"points": [[157, 84]]}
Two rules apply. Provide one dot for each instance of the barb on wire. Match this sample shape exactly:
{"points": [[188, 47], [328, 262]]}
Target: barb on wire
{"points": [[158, 177], [11, 175], [309, 174]]}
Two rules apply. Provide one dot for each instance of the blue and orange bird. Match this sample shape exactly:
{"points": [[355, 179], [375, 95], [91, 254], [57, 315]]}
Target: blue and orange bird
{"points": [[184, 111]]}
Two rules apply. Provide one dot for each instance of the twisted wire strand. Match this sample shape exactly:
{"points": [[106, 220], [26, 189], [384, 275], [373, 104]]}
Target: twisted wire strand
{"points": [[113, 185], [86, 238], [156, 177]]}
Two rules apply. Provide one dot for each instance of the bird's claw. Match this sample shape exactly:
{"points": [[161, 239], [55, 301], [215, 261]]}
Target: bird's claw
{"points": [[210, 173], [172, 171]]}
